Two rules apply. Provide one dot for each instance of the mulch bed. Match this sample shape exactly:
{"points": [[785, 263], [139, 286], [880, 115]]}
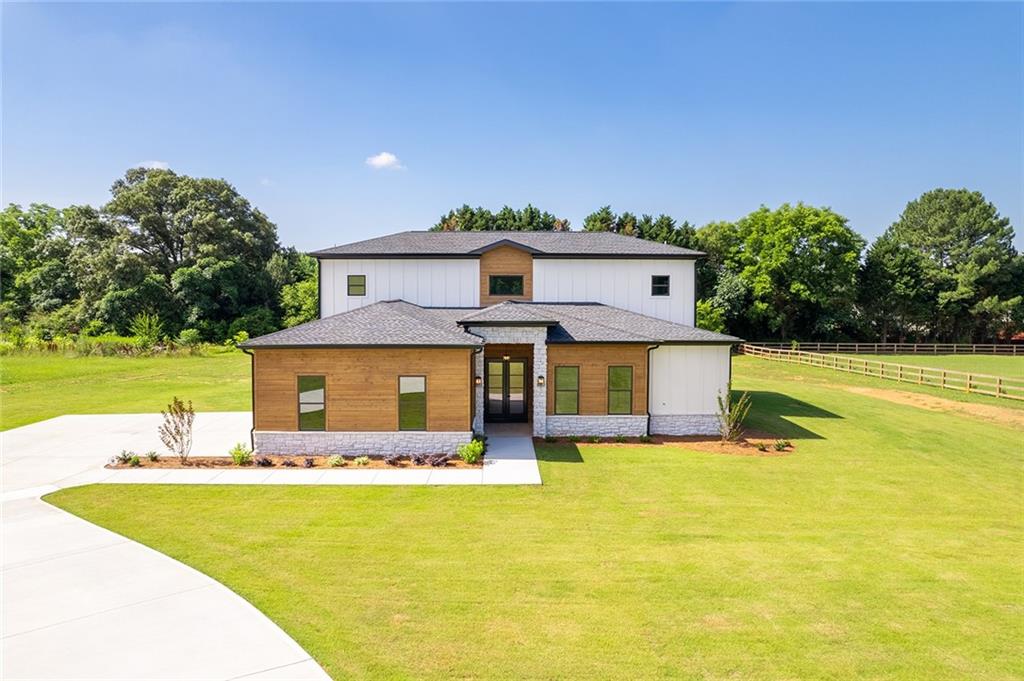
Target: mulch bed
{"points": [[745, 446], [278, 461]]}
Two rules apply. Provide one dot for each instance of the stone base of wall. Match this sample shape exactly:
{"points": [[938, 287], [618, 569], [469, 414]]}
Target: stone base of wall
{"points": [[602, 426], [684, 424], [358, 443]]}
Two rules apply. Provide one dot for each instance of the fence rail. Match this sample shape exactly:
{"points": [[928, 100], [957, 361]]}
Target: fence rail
{"points": [[981, 384], [1015, 350]]}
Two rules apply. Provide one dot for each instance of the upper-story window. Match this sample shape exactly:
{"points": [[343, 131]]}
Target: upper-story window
{"points": [[659, 285], [506, 285], [357, 284]]}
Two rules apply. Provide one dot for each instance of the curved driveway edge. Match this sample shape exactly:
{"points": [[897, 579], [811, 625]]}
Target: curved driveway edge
{"points": [[81, 602]]}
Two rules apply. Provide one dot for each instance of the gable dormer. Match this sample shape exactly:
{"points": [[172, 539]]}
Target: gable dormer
{"points": [[506, 273]]}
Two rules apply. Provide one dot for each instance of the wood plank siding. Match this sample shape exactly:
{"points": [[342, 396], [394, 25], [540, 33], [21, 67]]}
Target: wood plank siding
{"points": [[593, 360], [505, 260], [362, 386]]}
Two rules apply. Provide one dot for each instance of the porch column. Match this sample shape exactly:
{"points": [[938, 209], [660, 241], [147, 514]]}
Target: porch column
{"points": [[540, 392], [478, 392]]}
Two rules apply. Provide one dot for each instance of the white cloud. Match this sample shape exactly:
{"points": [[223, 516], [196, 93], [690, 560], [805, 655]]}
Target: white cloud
{"points": [[155, 165], [266, 181], [385, 160]]}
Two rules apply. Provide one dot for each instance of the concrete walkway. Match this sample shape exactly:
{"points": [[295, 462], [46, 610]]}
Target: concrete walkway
{"points": [[80, 602]]}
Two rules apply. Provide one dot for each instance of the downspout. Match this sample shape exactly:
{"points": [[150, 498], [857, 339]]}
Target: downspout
{"points": [[252, 397], [653, 347]]}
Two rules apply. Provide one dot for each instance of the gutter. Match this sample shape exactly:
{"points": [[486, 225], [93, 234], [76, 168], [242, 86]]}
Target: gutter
{"points": [[252, 398], [649, 349]]}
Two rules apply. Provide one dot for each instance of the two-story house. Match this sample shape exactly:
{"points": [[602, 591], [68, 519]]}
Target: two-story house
{"points": [[426, 337]]}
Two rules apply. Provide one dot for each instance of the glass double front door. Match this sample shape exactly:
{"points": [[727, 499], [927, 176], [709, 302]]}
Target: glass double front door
{"points": [[505, 390]]}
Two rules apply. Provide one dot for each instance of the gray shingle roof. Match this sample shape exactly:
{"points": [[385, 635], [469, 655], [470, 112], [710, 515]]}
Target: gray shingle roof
{"points": [[397, 323], [471, 244], [394, 322]]}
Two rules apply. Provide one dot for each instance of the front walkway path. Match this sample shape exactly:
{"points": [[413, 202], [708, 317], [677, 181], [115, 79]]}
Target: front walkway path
{"points": [[82, 602]]}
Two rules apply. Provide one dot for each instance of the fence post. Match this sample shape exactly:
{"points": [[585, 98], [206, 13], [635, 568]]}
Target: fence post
{"points": [[968, 383], [999, 386], [942, 380]]}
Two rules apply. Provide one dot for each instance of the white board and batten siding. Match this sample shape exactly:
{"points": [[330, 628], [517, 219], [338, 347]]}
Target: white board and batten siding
{"points": [[687, 379], [623, 283], [428, 282]]}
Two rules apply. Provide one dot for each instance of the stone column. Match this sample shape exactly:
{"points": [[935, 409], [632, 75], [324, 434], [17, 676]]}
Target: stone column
{"points": [[478, 392]]}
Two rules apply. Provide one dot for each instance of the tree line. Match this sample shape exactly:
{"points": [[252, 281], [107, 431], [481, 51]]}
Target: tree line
{"points": [[197, 257], [944, 271]]}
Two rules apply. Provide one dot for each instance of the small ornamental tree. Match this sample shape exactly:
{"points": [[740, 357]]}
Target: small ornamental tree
{"points": [[732, 412], [176, 430]]}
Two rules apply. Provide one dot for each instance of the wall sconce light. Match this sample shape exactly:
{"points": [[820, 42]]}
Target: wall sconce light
{"points": [[540, 380], [477, 380], [506, 357]]}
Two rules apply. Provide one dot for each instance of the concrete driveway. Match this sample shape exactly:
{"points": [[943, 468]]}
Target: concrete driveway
{"points": [[80, 602]]}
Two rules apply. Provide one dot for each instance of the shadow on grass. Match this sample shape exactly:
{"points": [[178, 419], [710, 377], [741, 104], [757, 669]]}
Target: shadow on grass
{"points": [[768, 412], [562, 452]]}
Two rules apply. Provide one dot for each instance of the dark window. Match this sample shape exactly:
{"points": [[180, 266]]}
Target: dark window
{"points": [[620, 390], [312, 414], [357, 284], [506, 285], [567, 390], [412, 403], [659, 285]]}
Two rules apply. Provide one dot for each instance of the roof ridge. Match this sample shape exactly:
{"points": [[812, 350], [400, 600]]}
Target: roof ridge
{"points": [[609, 326], [424, 319]]}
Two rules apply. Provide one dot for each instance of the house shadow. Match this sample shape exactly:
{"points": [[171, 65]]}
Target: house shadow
{"points": [[562, 452], [770, 412]]}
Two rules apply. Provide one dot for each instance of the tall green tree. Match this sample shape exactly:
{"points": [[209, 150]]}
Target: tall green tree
{"points": [[895, 299], [601, 220], [970, 262]]}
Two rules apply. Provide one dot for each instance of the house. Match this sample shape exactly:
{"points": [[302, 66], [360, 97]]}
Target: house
{"points": [[427, 337]]}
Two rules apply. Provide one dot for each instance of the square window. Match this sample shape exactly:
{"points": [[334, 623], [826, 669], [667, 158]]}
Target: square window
{"points": [[412, 402], [357, 284], [506, 285], [659, 285]]}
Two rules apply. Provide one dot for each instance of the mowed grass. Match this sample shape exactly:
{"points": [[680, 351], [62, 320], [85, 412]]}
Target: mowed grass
{"points": [[37, 387], [889, 545], [994, 365]]}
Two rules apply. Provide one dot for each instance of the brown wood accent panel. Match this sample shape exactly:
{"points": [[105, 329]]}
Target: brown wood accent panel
{"points": [[593, 361], [514, 350], [362, 386], [505, 260]]}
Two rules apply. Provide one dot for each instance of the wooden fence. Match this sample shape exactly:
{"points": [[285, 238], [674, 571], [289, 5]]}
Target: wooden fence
{"points": [[982, 384], [1015, 350]]}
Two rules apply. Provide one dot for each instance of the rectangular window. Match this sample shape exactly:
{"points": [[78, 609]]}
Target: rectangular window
{"points": [[567, 390], [659, 285], [412, 402], [620, 390], [357, 284], [312, 401], [506, 285]]}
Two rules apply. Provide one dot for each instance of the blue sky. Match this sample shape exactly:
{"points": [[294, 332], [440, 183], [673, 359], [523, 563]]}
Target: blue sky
{"points": [[703, 111]]}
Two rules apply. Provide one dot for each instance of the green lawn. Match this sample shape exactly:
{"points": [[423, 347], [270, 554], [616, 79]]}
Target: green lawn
{"points": [[981, 364], [889, 545], [37, 387]]}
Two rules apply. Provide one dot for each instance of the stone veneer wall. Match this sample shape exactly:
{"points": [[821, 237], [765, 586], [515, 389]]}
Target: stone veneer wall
{"points": [[358, 443], [478, 392], [603, 426], [684, 424], [537, 336]]}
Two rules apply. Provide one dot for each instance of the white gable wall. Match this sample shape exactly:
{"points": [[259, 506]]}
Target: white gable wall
{"points": [[687, 379], [623, 283], [432, 282]]}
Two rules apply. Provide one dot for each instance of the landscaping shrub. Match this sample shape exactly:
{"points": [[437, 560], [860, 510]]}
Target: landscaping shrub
{"points": [[472, 451], [152, 455], [594, 439], [288, 462], [124, 457], [574, 438], [732, 412], [190, 337], [646, 439], [241, 455], [335, 461], [361, 461], [420, 459], [134, 461], [550, 438], [308, 462], [762, 447], [263, 461], [620, 438], [780, 445], [439, 460], [392, 459], [176, 430], [147, 328]]}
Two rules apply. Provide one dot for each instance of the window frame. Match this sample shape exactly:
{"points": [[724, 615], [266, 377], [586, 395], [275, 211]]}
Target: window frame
{"points": [[667, 284], [610, 390], [398, 411], [575, 390], [299, 403], [349, 284], [492, 277]]}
